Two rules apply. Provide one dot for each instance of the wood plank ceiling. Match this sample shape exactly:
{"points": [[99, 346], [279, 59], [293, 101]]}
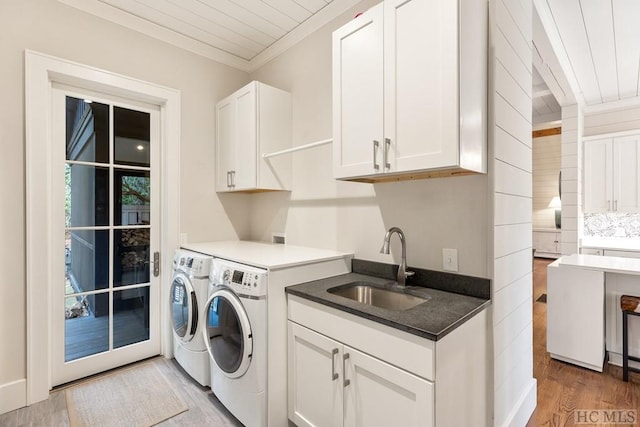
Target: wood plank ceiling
{"points": [[243, 28], [545, 107], [602, 43], [242, 33]]}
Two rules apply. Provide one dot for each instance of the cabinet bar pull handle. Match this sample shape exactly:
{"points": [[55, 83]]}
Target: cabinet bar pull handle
{"points": [[346, 382], [615, 205], [376, 144], [334, 374], [228, 179], [233, 178], [609, 205], [385, 153]]}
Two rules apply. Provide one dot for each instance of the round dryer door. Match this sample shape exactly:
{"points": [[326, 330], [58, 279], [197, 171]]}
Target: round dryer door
{"points": [[184, 308], [228, 332]]}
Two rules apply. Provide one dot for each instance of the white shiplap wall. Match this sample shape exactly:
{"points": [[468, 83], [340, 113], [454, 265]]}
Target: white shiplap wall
{"points": [[611, 121], [572, 218], [511, 170], [546, 168]]}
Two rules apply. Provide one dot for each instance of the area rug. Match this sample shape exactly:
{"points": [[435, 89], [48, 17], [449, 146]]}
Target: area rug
{"points": [[138, 397]]}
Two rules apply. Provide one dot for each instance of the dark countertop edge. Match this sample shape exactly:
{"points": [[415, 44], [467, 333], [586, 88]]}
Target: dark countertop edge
{"points": [[400, 326]]}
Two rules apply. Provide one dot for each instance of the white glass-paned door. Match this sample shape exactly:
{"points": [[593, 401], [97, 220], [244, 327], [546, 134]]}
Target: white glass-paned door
{"points": [[105, 303]]}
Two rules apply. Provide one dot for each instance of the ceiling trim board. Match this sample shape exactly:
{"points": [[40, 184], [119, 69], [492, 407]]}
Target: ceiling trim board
{"points": [[305, 29], [557, 56], [546, 132], [119, 17]]}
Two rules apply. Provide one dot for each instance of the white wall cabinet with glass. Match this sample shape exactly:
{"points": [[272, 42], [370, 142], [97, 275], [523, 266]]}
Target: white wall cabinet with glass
{"points": [[348, 371], [253, 121], [409, 91], [612, 175]]}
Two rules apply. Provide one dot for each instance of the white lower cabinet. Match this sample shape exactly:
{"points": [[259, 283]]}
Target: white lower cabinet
{"points": [[345, 370], [334, 385]]}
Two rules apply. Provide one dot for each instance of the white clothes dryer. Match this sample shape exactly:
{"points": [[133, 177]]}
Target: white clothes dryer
{"points": [[189, 290], [235, 335]]}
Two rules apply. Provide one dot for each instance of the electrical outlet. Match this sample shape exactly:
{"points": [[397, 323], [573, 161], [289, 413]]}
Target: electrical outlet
{"points": [[183, 238], [450, 259]]}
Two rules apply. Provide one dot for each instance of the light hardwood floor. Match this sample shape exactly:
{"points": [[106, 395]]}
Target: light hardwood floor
{"points": [[563, 388], [204, 408]]}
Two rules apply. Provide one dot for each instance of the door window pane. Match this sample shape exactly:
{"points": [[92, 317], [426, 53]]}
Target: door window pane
{"points": [[86, 332], [87, 192], [131, 256], [132, 197], [130, 316], [87, 260], [131, 137], [87, 131]]}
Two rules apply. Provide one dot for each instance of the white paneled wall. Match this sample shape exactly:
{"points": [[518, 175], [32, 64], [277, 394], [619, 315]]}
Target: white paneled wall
{"points": [[610, 121], [546, 168], [511, 169], [571, 163]]}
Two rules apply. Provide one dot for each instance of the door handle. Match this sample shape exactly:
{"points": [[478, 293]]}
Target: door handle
{"points": [[228, 179], [156, 264], [233, 178], [346, 382], [376, 144], [385, 153], [334, 375]]}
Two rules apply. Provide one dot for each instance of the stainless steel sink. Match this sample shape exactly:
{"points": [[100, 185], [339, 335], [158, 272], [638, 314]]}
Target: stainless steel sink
{"points": [[370, 294]]}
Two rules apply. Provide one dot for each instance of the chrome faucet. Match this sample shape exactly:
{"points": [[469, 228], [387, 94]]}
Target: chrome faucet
{"points": [[402, 269]]}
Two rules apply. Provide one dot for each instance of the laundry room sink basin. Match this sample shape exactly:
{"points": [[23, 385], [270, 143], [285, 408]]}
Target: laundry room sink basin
{"points": [[376, 296]]}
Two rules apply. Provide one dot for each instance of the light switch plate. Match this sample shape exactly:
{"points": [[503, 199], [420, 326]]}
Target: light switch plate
{"points": [[450, 259]]}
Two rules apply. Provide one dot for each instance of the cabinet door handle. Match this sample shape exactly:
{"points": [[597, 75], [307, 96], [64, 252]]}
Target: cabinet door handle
{"points": [[233, 178], [228, 179], [376, 144], [615, 205], [385, 153], [334, 374], [346, 382], [609, 205]]}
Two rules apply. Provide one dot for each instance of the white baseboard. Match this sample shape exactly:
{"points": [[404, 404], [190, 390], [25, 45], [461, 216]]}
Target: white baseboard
{"points": [[13, 395], [520, 414]]}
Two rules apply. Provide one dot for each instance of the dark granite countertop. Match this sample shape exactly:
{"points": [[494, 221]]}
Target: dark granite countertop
{"points": [[453, 298]]}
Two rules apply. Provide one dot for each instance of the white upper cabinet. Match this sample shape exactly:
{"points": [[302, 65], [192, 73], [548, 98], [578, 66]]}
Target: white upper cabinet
{"points": [[358, 95], [250, 122], [409, 91], [612, 175]]}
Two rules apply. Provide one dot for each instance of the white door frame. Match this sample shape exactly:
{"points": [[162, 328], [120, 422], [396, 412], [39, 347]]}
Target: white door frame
{"points": [[41, 71]]}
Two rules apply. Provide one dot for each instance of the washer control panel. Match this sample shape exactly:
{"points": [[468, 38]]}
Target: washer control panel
{"points": [[243, 279], [192, 264]]}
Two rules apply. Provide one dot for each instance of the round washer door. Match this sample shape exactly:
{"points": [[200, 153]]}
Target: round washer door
{"points": [[228, 332], [184, 308]]}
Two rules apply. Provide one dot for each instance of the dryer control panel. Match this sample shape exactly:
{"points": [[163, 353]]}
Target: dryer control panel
{"points": [[243, 279]]}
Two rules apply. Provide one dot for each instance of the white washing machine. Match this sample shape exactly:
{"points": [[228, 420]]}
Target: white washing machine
{"points": [[235, 335], [189, 290]]}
